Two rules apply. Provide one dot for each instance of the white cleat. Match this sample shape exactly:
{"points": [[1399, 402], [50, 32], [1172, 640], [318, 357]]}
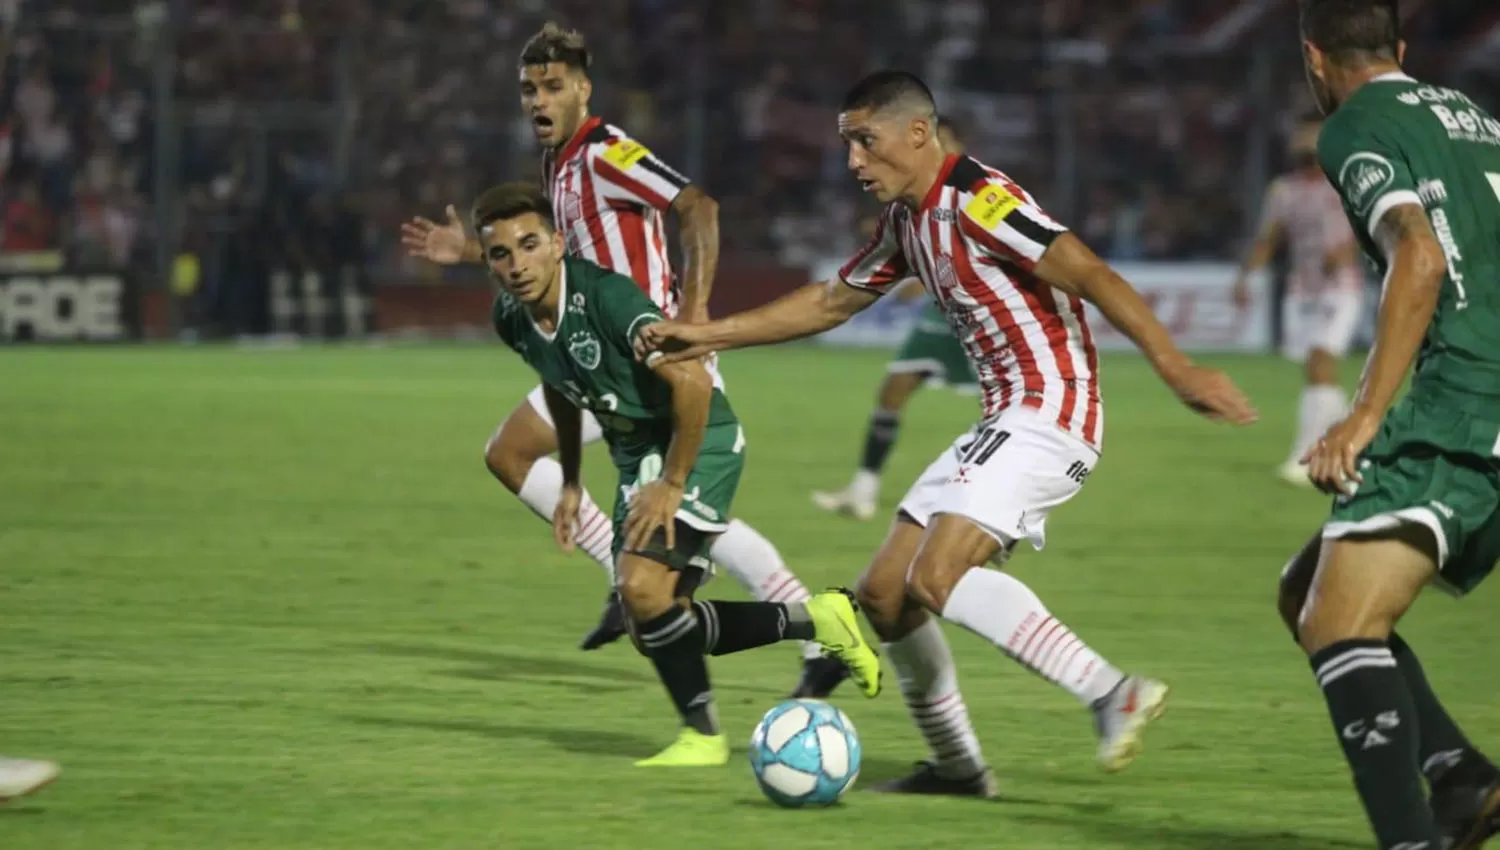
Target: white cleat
{"points": [[23, 776], [1121, 717], [846, 502], [1295, 474]]}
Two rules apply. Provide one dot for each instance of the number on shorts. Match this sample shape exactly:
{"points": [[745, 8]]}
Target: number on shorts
{"points": [[984, 446], [649, 470]]}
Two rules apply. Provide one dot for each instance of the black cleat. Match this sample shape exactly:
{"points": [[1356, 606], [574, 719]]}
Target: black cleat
{"points": [[925, 780], [819, 677], [1466, 815], [611, 625]]}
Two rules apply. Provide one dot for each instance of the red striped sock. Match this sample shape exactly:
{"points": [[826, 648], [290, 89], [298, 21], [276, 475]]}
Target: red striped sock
{"points": [[929, 685], [999, 608]]}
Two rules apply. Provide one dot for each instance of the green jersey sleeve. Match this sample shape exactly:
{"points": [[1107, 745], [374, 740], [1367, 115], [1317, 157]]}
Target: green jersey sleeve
{"points": [[623, 310], [502, 316], [1365, 163]]}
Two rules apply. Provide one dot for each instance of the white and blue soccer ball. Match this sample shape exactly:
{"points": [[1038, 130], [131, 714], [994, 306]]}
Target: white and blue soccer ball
{"points": [[805, 753]]}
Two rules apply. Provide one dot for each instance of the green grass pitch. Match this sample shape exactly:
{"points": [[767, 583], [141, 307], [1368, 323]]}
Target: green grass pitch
{"points": [[272, 599]]}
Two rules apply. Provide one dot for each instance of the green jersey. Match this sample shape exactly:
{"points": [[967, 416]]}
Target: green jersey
{"points": [[588, 356], [1398, 141]]}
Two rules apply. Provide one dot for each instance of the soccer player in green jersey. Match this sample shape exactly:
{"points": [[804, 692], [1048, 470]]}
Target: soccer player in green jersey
{"points": [[1416, 481], [679, 450], [930, 354]]}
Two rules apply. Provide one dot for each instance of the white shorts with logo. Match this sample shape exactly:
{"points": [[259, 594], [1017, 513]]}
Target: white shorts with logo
{"points": [[1326, 320], [1005, 475]]}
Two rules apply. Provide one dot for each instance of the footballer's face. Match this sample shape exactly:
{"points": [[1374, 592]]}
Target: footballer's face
{"points": [[885, 151], [555, 98], [523, 254]]}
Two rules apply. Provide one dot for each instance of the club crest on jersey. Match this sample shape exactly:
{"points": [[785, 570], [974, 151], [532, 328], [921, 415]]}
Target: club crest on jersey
{"points": [[585, 349], [991, 204], [577, 303], [947, 278], [625, 153]]}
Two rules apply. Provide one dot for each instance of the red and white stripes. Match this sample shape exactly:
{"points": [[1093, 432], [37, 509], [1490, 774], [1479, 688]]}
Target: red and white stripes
{"points": [[595, 533], [929, 685]]}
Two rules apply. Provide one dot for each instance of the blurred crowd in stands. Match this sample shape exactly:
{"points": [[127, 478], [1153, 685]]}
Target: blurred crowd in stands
{"points": [[316, 126]]}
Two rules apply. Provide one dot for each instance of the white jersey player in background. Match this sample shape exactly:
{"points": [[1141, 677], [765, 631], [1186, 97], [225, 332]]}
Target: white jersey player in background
{"points": [[1011, 281], [1324, 289]]}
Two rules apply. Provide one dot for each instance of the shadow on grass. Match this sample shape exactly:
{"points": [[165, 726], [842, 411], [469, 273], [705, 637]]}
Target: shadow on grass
{"points": [[571, 739], [1100, 827]]}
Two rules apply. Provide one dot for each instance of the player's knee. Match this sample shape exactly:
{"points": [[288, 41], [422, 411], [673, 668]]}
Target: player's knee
{"points": [[647, 589], [881, 601], [933, 575], [504, 463]]}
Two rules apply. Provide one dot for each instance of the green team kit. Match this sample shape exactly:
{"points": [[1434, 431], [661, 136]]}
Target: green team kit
{"points": [[931, 349], [1434, 459], [589, 360]]}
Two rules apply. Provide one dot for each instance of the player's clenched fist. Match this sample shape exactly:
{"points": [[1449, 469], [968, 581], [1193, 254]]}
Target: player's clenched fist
{"points": [[1211, 393]]}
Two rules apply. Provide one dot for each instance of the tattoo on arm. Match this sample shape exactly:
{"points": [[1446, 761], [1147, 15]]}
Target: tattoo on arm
{"points": [[1399, 224]]}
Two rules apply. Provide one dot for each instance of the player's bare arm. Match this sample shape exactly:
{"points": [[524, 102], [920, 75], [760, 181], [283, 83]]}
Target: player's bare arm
{"points": [[1072, 267], [813, 309], [567, 419], [655, 505], [445, 244], [699, 215], [1414, 281]]}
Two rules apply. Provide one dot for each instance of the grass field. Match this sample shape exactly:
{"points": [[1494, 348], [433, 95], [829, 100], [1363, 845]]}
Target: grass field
{"points": [[271, 599]]}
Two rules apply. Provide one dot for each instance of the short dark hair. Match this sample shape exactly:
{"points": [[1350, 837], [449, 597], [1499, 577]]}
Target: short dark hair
{"points": [[1353, 31], [883, 88], [507, 201], [953, 126], [554, 43]]}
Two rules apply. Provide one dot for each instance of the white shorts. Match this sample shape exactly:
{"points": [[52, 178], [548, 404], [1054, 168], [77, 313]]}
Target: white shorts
{"points": [[592, 433], [1005, 475], [1324, 320]]}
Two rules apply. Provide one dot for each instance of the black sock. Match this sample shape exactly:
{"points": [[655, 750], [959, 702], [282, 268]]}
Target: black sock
{"points": [[737, 626], [880, 436], [674, 643], [1443, 751], [1376, 722]]}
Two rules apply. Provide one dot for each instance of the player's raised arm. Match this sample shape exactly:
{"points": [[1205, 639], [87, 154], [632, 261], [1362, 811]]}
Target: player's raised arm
{"points": [[444, 244], [810, 310], [1070, 266]]}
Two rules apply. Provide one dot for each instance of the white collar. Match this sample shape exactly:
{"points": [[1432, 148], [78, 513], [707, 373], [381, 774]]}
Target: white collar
{"points": [[1393, 77]]}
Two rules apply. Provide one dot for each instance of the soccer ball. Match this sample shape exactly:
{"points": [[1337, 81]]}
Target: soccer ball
{"points": [[805, 753]]}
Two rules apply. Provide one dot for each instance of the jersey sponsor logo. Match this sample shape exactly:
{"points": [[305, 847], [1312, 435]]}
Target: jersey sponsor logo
{"points": [[990, 206], [1432, 193], [944, 214], [1451, 254], [1410, 98], [585, 349], [1363, 179], [577, 303], [625, 153], [1468, 125]]}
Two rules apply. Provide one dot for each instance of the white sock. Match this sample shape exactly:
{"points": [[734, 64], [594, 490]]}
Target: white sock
{"points": [[754, 562], [865, 486], [1320, 408], [595, 534], [999, 608], [929, 684]]}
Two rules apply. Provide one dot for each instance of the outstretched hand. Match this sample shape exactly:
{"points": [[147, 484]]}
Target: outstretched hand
{"points": [[1213, 395], [438, 243], [670, 342]]}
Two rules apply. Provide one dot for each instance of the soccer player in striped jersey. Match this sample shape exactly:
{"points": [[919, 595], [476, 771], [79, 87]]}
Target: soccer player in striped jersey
{"points": [[1325, 289], [930, 354], [1011, 282], [610, 196]]}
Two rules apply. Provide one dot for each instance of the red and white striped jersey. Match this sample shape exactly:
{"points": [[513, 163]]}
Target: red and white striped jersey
{"points": [[610, 196], [974, 242], [1311, 216]]}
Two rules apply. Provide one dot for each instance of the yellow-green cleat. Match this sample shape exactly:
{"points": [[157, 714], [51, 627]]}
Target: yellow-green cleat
{"points": [[691, 749], [835, 627]]}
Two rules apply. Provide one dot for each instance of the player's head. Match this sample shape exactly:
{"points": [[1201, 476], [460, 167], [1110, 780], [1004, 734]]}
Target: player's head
{"points": [[521, 244], [1344, 41], [555, 85], [949, 135], [889, 122], [1302, 147]]}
